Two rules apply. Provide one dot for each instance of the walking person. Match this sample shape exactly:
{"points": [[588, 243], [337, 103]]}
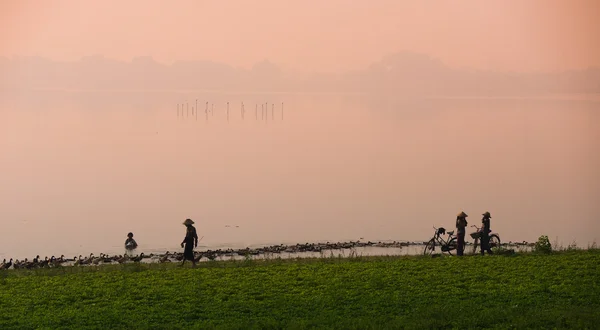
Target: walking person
{"points": [[461, 225], [190, 241], [485, 234]]}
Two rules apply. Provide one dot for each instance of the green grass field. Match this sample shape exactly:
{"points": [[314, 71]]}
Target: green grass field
{"points": [[560, 290]]}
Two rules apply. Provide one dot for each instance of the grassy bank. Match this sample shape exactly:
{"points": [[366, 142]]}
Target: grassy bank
{"points": [[520, 291]]}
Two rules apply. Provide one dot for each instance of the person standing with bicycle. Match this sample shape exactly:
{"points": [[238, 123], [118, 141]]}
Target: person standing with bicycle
{"points": [[485, 234], [461, 225]]}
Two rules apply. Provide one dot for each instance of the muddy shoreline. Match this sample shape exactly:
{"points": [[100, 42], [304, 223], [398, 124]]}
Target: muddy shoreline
{"points": [[305, 250]]}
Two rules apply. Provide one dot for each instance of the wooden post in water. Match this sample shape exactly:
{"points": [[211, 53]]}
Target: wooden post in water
{"points": [[187, 109], [206, 111], [256, 112], [177, 110], [281, 110], [273, 111], [227, 111]]}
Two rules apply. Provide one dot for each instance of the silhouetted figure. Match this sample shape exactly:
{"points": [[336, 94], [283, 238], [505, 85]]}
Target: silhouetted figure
{"points": [[485, 234], [190, 241], [461, 225], [130, 243]]}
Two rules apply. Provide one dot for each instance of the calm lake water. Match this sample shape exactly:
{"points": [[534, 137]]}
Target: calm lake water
{"points": [[80, 170]]}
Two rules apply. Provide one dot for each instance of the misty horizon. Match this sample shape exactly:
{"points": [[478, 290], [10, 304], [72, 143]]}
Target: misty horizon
{"points": [[309, 37], [404, 73], [266, 60]]}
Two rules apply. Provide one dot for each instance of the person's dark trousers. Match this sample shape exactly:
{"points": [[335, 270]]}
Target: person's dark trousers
{"points": [[461, 244], [485, 243]]}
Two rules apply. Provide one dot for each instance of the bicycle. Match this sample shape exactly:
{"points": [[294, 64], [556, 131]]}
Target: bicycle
{"points": [[446, 245], [494, 239]]}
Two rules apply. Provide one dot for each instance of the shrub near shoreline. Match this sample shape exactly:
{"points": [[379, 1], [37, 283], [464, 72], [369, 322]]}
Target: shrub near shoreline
{"points": [[522, 291]]}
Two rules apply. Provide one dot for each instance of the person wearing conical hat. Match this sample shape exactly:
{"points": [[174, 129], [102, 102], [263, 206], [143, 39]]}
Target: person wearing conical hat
{"points": [[461, 225], [190, 241], [485, 233]]}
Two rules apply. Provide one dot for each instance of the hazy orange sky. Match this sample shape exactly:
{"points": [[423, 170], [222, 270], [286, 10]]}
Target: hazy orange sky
{"points": [[309, 35]]}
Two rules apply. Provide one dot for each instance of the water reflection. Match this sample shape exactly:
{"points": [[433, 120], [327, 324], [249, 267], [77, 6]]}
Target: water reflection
{"points": [[80, 171]]}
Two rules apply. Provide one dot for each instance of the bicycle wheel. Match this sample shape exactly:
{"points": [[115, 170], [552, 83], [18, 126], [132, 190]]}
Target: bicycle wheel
{"points": [[452, 245], [429, 247], [494, 241], [475, 245]]}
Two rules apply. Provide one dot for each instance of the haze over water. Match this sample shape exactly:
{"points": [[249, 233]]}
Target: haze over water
{"points": [[79, 170], [397, 116]]}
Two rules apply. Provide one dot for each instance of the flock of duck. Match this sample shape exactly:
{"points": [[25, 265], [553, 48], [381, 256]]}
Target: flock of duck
{"points": [[207, 254]]}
